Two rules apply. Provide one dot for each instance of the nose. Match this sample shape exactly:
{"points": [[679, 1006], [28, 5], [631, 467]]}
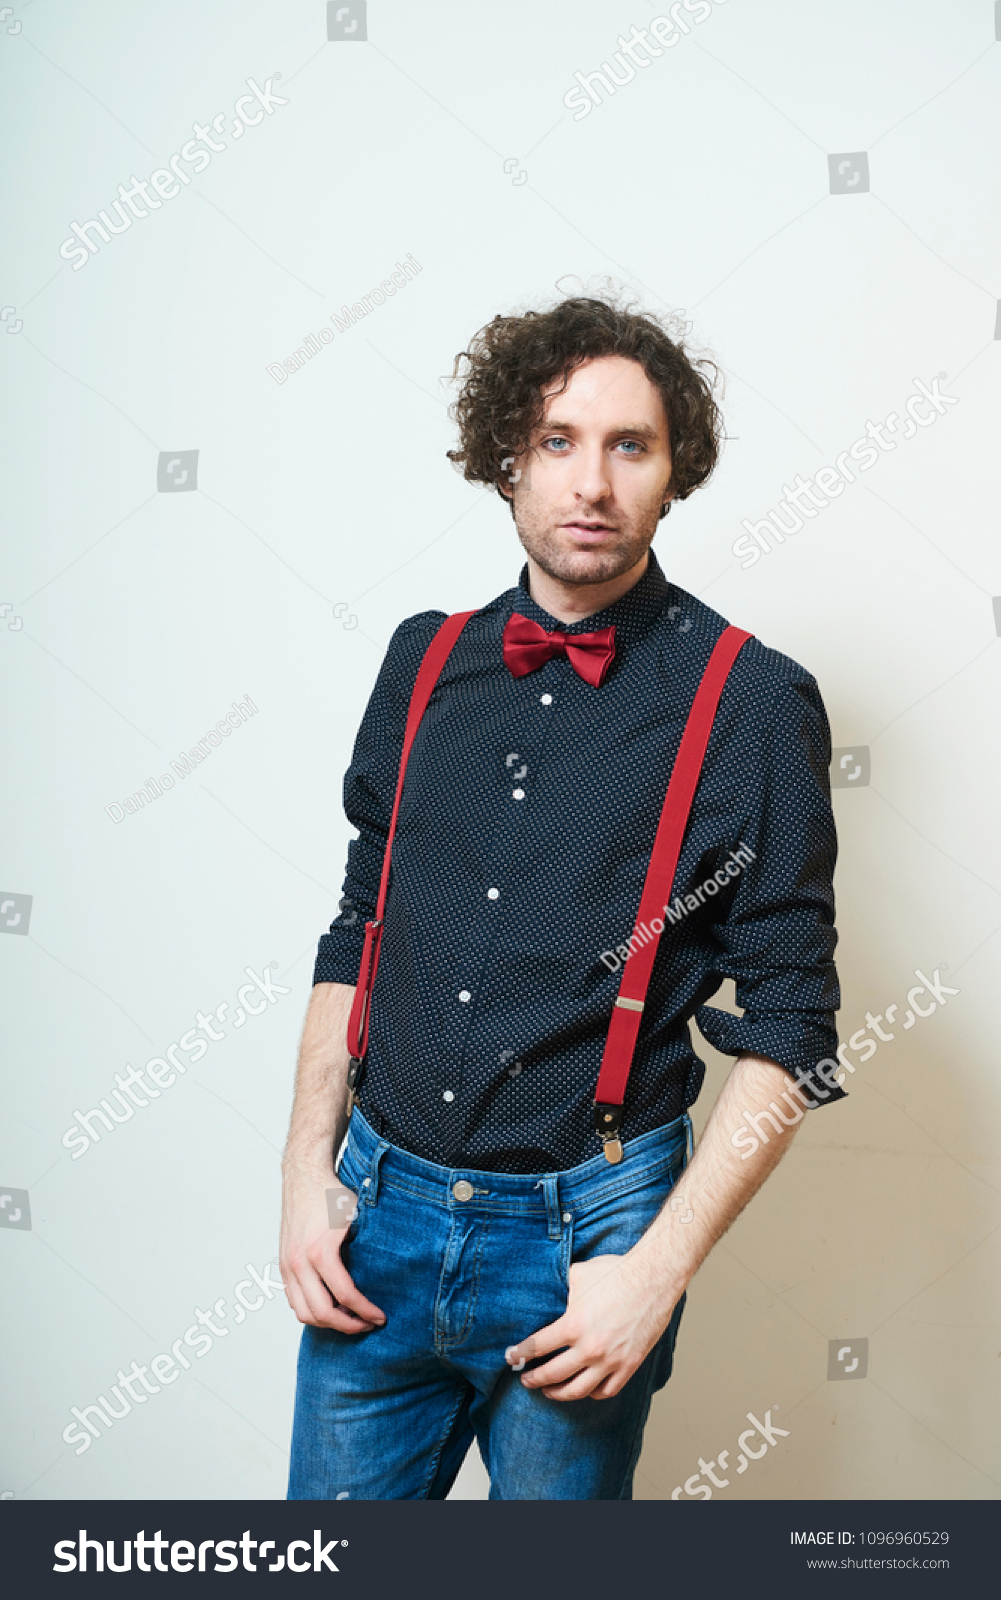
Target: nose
{"points": [[590, 477]]}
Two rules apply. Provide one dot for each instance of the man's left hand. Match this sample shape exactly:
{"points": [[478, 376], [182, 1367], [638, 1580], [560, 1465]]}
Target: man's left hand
{"points": [[614, 1317]]}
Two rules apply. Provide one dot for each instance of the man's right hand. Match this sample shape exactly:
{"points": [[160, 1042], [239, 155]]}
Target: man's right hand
{"points": [[318, 1286]]}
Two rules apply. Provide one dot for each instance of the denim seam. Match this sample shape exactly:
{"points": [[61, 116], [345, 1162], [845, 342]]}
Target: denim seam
{"points": [[509, 1205], [374, 1174], [475, 1296], [613, 1191], [629, 1182], [443, 1345], [566, 1256], [641, 1420], [353, 1227], [436, 1458]]}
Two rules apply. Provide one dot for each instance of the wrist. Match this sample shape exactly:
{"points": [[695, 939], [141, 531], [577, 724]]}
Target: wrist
{"points": [[309, 1162], [655, 1265]]}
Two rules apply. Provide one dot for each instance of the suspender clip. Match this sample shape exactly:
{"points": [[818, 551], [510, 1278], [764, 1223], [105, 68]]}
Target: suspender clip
{"points": [[607, 1122], [355, 1071], [607, 1119]]}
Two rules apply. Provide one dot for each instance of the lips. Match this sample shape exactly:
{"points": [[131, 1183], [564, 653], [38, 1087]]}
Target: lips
{"points": [[590, 532]]}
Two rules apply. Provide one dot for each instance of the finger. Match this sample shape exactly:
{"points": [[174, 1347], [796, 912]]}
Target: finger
{"points": [[322, 1307], [325, 1259], [314, 1300], [327, 1314], [577, 1388], [554, 1336], [309, 1302], [351, 1300], [296, 1298], [561, 1369], [607, 1389]]}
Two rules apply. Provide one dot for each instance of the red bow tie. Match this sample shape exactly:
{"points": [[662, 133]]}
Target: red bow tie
{"points": [[527, 647]]}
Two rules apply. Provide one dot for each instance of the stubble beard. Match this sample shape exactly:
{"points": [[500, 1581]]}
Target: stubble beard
{"points": [[545, 542]]}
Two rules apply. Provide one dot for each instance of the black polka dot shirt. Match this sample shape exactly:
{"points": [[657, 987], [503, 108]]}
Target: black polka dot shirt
{"points": [[528, 814]]}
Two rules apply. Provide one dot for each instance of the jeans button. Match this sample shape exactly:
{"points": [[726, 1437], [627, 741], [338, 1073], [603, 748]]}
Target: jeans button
{"points": [[463, 1190]]}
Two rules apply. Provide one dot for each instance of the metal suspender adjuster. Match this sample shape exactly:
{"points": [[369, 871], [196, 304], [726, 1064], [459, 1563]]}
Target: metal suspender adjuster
{"points": [[354, 1073], [607, 1122]]}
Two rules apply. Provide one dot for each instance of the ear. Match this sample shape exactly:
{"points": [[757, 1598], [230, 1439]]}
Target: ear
{"points": [[508, 495]]}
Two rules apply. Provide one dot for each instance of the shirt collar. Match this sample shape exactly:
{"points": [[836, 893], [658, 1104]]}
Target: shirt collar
{"points": [[632, 615]]}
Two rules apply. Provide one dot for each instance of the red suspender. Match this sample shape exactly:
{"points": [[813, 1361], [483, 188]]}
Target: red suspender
{"points": [[628, 1009], [435, 656], [627, 1012]]}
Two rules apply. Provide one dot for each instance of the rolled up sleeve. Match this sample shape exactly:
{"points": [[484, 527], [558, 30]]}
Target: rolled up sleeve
{"points": [[777, 942], [369, 788]]}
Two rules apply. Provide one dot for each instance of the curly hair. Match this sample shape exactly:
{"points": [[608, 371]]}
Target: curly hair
{"points": [[514, 358]]}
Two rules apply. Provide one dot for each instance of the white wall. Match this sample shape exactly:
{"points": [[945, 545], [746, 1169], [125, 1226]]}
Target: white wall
{"points": [[137, 618]]}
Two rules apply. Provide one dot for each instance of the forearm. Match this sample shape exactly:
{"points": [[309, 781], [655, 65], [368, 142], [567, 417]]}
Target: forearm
{"points": [[320, 1110], [718, 1183]]}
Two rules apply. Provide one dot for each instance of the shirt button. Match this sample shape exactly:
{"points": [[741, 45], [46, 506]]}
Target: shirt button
{"points": [[517, 794], [462, 1190], [448, 1095], [464, 995], [546, 699], [493, 894]]}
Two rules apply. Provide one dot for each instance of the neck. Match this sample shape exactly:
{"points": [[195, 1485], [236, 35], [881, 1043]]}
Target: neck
{"points": [[571, 602]]}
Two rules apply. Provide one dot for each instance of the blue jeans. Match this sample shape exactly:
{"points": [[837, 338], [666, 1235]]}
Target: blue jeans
{"points": [[390, 1414]]}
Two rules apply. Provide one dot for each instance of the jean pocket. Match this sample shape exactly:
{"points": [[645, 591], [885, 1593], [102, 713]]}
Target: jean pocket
{"points": [[350, 1172], [349, 1175], [354, 1224], [564, 1256], [613, 1224]]}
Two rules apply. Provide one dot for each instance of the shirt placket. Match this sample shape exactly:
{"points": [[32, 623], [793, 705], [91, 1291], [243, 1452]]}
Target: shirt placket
{"points": [[540, 697]]}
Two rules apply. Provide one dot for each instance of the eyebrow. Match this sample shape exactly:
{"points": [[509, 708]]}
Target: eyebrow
{"points": [[642, 431]]}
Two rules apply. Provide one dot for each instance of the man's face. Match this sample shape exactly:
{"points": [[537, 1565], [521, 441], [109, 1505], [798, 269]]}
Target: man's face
{"points": [[599, 469]]}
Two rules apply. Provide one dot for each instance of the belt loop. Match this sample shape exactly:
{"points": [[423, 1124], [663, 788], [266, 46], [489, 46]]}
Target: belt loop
{"points": [[372, 1176], [551, 1188], [690, 1142]]}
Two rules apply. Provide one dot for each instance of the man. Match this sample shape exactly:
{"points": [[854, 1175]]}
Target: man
{"points": [[511, 1272]]}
